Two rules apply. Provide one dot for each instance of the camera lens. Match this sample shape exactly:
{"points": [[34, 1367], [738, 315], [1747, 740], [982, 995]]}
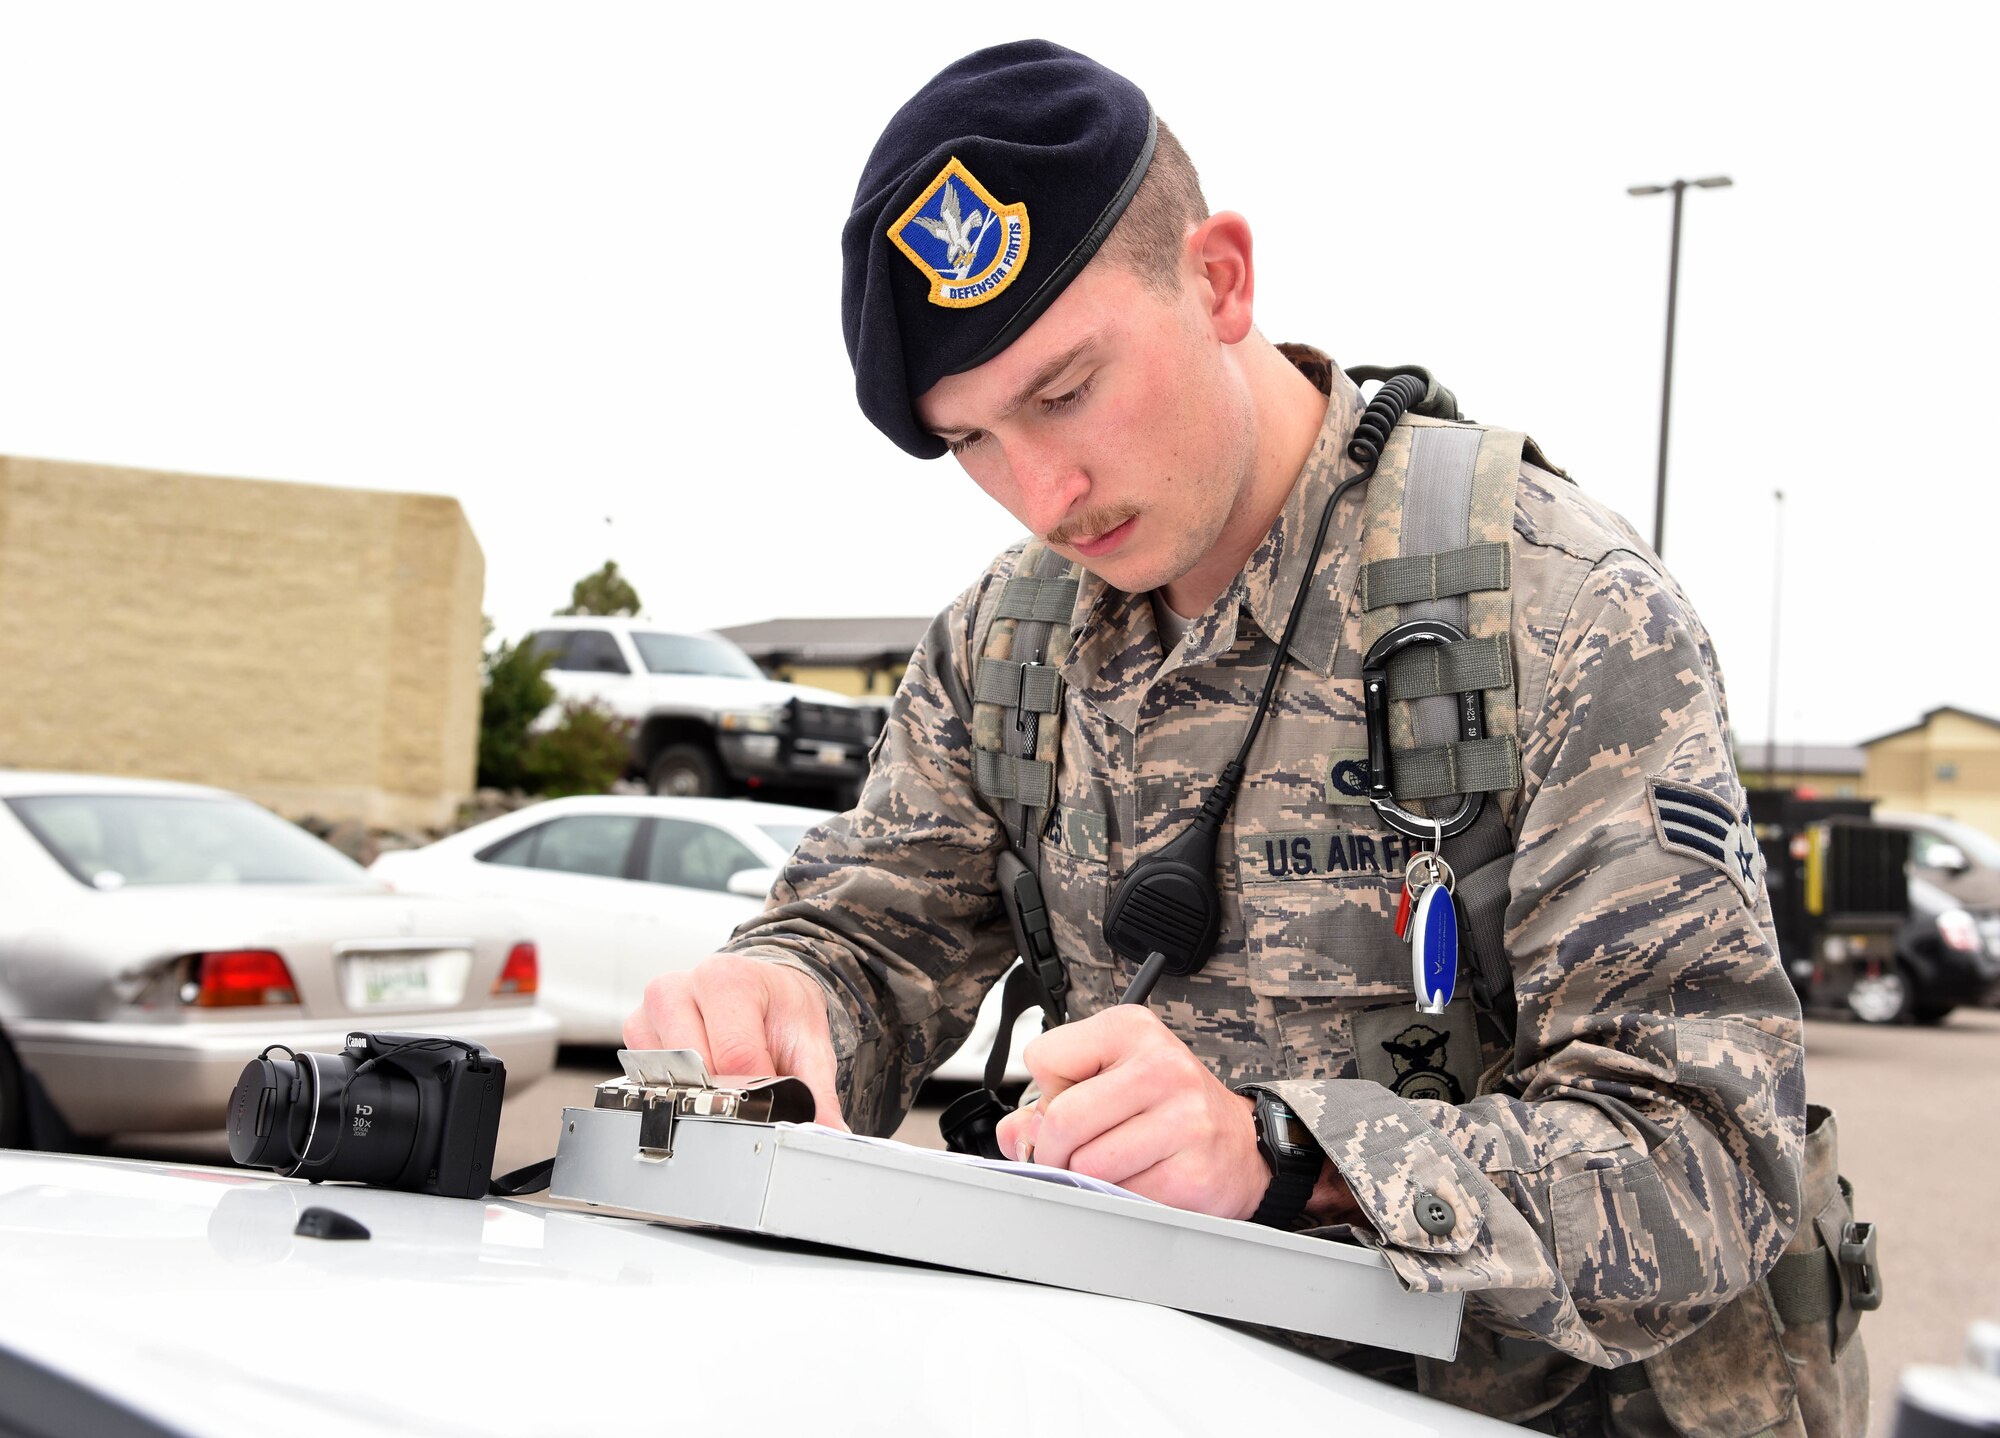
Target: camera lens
{"points": [[315, 1116]]}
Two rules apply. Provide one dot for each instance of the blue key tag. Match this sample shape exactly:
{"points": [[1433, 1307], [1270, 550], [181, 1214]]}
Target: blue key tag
{"points": [[1434, 949]]}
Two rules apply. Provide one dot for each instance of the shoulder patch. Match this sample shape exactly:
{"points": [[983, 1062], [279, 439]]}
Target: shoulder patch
{"points": [[1693, 821], [968, 245]]}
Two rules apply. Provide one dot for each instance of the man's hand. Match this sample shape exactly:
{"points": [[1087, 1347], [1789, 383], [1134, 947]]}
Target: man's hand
{"points": [[744, 1017], [1125, 1101]]}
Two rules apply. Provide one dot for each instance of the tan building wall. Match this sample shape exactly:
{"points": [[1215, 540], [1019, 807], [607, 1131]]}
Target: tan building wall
{"points": [[1949, 765], [849, 679], [314, 648]]}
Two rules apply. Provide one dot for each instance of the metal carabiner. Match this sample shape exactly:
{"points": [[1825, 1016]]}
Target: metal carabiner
{"points": [[1375, 704]]}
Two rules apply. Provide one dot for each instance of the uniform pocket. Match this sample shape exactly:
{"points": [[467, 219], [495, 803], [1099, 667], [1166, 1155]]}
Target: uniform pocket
{"points": [[1326, 939], [1729, 1377], [1320, 952], [1627, 1241]]}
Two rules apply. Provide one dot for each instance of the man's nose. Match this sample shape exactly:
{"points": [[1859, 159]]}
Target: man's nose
{"points": [[1050, 484]]}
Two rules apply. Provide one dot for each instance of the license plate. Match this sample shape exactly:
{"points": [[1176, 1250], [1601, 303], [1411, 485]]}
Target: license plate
{"points": [[405, 980], [832, 754]]}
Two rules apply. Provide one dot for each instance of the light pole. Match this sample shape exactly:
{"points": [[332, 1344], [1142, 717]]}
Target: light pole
{"points": [[1777, 594], [1678, 189]]}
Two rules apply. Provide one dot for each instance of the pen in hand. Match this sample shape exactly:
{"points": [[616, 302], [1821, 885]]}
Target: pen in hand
{"points": [[1141, 989], [1143, 981]]}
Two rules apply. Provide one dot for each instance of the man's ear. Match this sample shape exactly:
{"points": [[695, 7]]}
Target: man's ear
{"points": [[1218, 250]]}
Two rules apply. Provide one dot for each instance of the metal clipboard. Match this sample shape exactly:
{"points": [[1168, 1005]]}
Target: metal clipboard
{"points": [[804, 1183]]}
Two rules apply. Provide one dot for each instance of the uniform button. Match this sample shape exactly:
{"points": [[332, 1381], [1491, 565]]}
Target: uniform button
{"points": [[1434, 1215]]}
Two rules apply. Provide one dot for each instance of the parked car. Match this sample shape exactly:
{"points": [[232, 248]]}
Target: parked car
{"points": [[154, 937], [165, 1301], [621, 888], [1946, 955], [1959, 859], [705, 719]]}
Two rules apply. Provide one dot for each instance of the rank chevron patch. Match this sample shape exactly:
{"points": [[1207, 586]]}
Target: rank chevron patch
{"points": [[1693, 821]]}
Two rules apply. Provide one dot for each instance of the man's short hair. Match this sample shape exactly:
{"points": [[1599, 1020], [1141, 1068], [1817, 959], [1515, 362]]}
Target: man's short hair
{"points": [[1148, 237]]}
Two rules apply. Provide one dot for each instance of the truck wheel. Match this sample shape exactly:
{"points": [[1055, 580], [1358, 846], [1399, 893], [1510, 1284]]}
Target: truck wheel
{"points": [[686, 771], [13, 1100], [1889, 997]]}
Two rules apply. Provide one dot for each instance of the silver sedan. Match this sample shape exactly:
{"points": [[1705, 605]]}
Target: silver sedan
{"points": [[154, 937]]}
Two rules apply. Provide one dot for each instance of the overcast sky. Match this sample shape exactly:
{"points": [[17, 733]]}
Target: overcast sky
{"points": [[578, 266]]}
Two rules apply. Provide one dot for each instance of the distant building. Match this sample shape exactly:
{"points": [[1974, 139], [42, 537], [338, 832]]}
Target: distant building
{"points": [[1948, 763], [848, 656], [317, 649]]}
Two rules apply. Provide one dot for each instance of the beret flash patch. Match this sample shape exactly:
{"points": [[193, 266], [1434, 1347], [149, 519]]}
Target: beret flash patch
{"points": [[1693, 821], [968, 244]]}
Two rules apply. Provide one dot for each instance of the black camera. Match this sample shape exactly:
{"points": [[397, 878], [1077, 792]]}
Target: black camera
{"points": [[412, 1111]]}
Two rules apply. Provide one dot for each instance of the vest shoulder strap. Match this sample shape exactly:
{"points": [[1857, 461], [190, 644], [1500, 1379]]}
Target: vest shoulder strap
{"points": [[1018, 639], [1438, 545]]}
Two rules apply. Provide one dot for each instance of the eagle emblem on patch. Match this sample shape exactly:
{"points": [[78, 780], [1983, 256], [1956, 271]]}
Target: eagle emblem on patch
{"points": [[1418, 1054], [1693, 821], [969, 245], [1432, 1057]]}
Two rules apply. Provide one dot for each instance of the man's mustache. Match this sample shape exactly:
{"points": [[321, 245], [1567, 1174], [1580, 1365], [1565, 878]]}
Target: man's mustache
{"points": [[1090, 524]]}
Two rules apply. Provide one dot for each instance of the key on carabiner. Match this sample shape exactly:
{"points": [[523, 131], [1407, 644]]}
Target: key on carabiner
{"points": [[1434, 940]]}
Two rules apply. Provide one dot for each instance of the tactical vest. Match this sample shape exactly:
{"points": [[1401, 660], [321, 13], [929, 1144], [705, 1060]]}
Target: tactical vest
{"points": [[1438, 545]]}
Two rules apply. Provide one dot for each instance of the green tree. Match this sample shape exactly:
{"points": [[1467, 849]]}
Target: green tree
{"points": [[583, 754], [517, 690], [605, 593]]}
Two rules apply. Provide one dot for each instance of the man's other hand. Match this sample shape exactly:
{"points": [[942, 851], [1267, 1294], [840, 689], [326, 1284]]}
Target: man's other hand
{"points": [[746, 1018], [1125, 1101]]}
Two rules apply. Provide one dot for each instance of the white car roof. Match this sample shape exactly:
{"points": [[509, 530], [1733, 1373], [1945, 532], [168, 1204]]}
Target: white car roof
{"points": [[745, 811], [168, 1288], [1897, 819], [754, 811], [22, 783], [622, 624]]}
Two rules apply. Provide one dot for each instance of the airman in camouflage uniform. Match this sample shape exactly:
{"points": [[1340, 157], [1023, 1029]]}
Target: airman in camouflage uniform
{"points": [[1635, 1164], [1601, 1183]]}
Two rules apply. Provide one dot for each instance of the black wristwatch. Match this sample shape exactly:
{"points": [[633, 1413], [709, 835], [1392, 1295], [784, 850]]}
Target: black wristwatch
{"points": [[1295, 1158]]}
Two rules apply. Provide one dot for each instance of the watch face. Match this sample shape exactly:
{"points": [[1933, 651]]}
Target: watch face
{"points": [[1284, 1130], [1293, 1134]]}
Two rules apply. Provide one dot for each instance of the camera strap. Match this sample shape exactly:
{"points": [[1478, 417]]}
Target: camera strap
{"points": [[531, 1179]]}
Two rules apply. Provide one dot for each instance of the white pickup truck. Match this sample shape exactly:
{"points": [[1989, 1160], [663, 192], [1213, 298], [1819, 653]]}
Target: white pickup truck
{"points": [[705, 720]]}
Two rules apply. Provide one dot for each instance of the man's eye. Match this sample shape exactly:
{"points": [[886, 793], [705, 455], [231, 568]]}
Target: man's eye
{"points": [[964, 441], [1062, 402]]}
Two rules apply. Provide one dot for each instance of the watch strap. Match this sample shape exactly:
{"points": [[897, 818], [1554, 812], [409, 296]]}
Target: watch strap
{"points": [[1295, 1170], [1285, 1199]]}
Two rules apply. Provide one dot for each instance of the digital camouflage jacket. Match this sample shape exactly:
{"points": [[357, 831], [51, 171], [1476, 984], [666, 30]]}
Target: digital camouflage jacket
{"points": [[1630, 1166]]}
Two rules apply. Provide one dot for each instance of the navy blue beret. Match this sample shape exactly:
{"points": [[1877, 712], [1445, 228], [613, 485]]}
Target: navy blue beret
{"points": [[986, 195]]}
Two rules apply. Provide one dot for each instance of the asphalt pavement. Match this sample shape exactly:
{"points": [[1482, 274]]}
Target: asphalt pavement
{"points": [[1919, 1112]]}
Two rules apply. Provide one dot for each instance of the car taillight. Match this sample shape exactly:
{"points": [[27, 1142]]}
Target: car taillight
{"points": [[522, 974], [238, 978]]}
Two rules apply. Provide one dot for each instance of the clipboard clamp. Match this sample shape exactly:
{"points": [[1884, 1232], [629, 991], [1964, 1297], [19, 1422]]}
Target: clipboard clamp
{"points": [[666, 1085]]}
